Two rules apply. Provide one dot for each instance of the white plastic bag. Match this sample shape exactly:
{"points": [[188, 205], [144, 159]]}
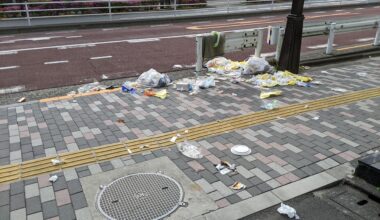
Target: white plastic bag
{"points": [[287, 210], [218, 61], [205, 83], [152, 78], [189, 150], [256, 65]]}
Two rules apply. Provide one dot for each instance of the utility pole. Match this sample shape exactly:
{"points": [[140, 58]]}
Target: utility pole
{"points": [[291, 46]]}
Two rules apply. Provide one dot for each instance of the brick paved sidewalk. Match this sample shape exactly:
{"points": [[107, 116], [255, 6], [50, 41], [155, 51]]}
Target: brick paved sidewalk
{"points": [[283, 151]]}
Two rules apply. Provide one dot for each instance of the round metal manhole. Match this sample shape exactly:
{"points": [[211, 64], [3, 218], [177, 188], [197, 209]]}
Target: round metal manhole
{"points": [[140, 196]]}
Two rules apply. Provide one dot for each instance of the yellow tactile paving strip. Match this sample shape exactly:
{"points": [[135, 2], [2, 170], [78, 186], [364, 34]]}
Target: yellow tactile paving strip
{"points": [[11, 173], [66, 97]]}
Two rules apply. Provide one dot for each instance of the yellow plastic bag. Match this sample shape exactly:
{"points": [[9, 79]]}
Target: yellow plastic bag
{"points": [[161, 94], [264, 95]]}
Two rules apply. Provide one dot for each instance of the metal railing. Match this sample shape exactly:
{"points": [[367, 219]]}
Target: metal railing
{"points": [[172, 8]]}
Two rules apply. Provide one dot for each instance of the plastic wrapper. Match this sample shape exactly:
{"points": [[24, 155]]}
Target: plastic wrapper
{"points": [[152, 78], [162, 94], [287, 210], [269, 104], [189, 150], [256, 65], [270, 93], [129, 87]]}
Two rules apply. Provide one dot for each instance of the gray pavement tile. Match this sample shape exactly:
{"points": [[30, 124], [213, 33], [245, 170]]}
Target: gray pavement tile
{"points": [[31, 190], [222, 189], [33, 205], [35, 216], [18, 214], [191, 174], [264, 187], [106, 166], [66, 212], [74, 186], [138, 158], [47, 194], [17, 201], [206, 186], [4, 197], [17, 187], [254, 191], [207, 175], [215, 195], [210, 167], [60, 183], [233, 199], [78, 200]]}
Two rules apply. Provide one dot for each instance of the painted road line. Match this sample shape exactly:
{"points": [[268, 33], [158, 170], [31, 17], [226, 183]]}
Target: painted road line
{"points": [[358, 8], [319, 12], [8, 67], [74, 46], [70, 37], [60, 32], [99, 58], [13, 89], [236, 19], [35, 167], [365, 39], [6, 36], [201, 22], [143, 40], [353, 47], [8, 42], [320, 46], [112, 29], [56, 62], [8, 52]]}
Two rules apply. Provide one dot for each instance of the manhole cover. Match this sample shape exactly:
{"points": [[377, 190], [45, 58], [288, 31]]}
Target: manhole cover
{"points": [[140, 196]]}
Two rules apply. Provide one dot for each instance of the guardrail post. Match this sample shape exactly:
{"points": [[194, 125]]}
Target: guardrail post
{"points": [[175, 8], [259, 45], [376, 42], [109, 10], [330, 41], [280, 39], [27, 13], [199, 53]]}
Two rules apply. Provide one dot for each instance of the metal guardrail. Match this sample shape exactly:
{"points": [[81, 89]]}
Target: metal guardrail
{"points": [[110, 8]]}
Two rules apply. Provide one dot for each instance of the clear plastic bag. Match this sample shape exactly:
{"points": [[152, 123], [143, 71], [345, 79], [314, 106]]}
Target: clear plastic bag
{"points": [[256, 65], [152, 78]]}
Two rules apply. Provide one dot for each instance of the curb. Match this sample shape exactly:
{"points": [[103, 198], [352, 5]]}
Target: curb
{"points": [[138, 21]]}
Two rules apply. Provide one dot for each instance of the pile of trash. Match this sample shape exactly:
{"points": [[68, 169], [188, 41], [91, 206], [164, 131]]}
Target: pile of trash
{"points": [[229, 68], [280, 78], [192, 85], [146, 82]]}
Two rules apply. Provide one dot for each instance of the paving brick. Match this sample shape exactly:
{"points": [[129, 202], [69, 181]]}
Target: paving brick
{"points": [[277, 168], [233, 199], [70, 174], [244, 172], [18, 214], [207, 187], [244, 194], [117, 163], [254, 191], [78, 200], [4, 197], [227, 180], [47, 194], [43, 180], [273, 183], [17, 187], [33, 205], [31, 190], [74, 186], [222, 203], [94, 168], [62, 197], [66, 212], [4, 212], [191, 174], [215, 195], [207, 175], [264, 187], [222, 189], [35, 216], [195, 165], [17, 201]]}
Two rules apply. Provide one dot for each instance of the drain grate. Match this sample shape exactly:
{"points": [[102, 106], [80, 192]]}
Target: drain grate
{"points": [[140, 196]]}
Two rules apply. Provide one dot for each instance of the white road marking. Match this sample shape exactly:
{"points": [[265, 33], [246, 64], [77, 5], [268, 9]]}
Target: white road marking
{"points": [[8, 42], [74, 46], [339, 10], [60, 32], [319, 12], [320, 46], [376, 7], [12, 89], [236, 19], [143, 40], [112, 29], [69, 37], [365, 39], [161, 25], [8, 52], [201, 22], [359, 8], [98, 58], [268, 16], [41, 38], [56, 62], [8, 67], [6, 36]]}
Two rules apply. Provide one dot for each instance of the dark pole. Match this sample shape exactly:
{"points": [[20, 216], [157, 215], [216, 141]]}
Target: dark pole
{"points": [[291, 46]]}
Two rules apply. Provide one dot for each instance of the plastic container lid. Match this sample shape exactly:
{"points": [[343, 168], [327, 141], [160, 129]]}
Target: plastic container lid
{"points": [[240, 150]]}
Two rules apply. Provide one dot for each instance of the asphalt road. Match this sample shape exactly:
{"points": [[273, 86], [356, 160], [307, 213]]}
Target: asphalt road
{"points": [[42, 60]]}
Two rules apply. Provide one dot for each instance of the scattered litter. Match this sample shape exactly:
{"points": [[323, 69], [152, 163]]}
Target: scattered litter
{"points": [[279, 78], [120, 120], [339, 90], [241, 150], [161, 94], [173, 139], [129, 151], [317, 82], [130, 87], [304, 67], [144, 146], [23, 99], [362, 74], [104, 76], [186, 131], [225, 167], [238, 186], [189, 150], [152, 78], [53, 178], [193, 85], [280, 118], [72, 93], [177, 66], [316, 118], [287, 210], [306, 106], [269, 104], [111, 87], [56, 162], [91, 87], [303, 84], [264, 95], [325, 72], [233, 94]]}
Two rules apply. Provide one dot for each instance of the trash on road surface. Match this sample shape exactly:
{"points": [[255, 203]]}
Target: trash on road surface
{"points": [[317, 82], [177, 66], [189, 150], [91, 87], [120, 120], [53, 178], [267, 94], [152, 78], [104, 76], [316, 118], [223, 66], [72, 93], [241, 150], [279, 78], [238, 186], [225, 167], [23, 99], [269, 104], [162, 94], [256, 65], [362, 74], [287, 210], [339, 89], [56, 162], [129, 87]]}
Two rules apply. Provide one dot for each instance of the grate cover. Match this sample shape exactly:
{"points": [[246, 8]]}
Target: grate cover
{"points": [[140, 196]]}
